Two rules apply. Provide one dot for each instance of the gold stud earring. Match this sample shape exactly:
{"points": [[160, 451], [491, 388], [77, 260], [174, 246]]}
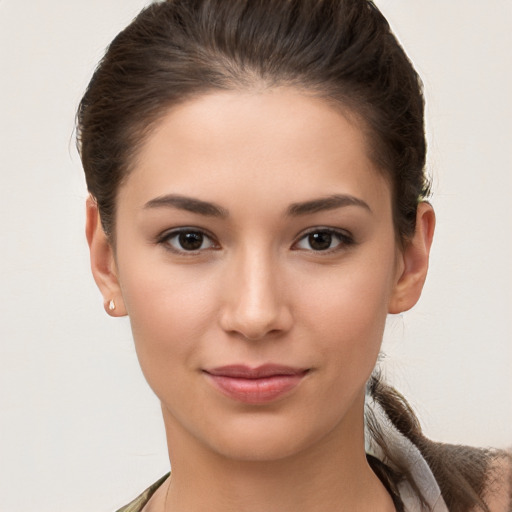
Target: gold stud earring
{"points": [[111, 305]]}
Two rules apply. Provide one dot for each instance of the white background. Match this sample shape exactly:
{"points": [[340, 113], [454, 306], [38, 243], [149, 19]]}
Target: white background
{"points": [[79, 428]]}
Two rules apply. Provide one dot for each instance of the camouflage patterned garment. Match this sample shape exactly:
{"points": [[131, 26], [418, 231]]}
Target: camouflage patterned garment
{"points": [[140, 502]]}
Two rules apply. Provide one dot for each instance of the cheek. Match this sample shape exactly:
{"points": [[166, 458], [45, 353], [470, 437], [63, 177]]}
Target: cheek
{"points": [[170, 312], [345, 311]]}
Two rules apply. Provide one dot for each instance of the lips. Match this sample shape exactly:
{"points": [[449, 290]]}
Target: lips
{"points": [[255, 385]]}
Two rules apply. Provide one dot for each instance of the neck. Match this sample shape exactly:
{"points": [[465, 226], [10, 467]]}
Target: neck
{"points": [[331, 475]]}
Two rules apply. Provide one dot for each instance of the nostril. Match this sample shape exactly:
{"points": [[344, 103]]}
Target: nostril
{"points": [[273, 333], [254, 327]]}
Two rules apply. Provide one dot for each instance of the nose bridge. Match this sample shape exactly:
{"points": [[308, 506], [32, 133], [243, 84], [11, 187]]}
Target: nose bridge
{"points": [[255, 305]]}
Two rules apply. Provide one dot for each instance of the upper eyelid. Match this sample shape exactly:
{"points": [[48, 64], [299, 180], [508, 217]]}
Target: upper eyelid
{"points": [[164, 240], [346, 238], [317, 229], [169, 233]]}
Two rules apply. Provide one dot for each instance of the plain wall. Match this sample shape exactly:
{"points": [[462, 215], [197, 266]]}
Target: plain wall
{"points": [[79, 428]]}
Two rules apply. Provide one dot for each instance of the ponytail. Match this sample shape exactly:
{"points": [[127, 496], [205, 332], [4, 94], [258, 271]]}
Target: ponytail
{"points": [[461, 472]]}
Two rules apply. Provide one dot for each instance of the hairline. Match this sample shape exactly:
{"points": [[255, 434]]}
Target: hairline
{"points": [[141, 130]]}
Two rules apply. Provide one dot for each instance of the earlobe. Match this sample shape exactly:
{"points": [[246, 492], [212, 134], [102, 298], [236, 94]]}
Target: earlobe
{"points": [[103, 262], [414, 262]]}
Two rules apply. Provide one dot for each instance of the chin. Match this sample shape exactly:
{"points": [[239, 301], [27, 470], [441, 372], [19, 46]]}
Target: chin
{"points": [[267, 438], [261, 446]]}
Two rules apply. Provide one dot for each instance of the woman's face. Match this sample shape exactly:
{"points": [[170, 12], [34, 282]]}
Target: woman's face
{"points": [[256, 258]]}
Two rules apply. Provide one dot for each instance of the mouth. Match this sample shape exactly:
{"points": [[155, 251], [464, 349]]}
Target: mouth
{"points": [[258, 385]]}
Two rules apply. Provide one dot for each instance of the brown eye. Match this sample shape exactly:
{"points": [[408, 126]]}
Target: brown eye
{"points": [[187, 240], [320, 241], [191, 241], [324, 240]]}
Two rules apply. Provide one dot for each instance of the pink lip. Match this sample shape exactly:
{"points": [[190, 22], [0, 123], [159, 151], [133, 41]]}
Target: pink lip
{"points": [[255, 385]]}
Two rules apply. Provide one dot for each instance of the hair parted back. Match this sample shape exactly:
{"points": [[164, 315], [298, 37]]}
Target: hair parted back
{"points": [[339, 50]]}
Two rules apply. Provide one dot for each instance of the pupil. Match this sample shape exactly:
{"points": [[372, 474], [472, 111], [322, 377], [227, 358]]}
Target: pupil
{"points": [[191, 241], [320, 241]]}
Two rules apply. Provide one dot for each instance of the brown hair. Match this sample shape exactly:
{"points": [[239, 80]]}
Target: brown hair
{"points": [[462, 472], [340, 50]]}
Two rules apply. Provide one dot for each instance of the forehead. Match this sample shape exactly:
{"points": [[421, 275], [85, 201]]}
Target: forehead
{"points": [[280, 143]]}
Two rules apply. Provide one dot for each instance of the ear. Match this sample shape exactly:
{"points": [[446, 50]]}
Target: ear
{"points": [[103, 263], [413, 262]]}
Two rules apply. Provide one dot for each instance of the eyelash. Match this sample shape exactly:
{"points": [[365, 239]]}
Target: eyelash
{"points": [[165, 240], [345, 240]]}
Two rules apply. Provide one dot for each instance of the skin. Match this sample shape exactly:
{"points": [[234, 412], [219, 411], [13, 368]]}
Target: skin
{"points": [[258, 291]]}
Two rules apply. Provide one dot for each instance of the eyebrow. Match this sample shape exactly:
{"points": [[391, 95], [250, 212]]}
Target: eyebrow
{"points": [[189, 204], [208, 209], [325, 203]]}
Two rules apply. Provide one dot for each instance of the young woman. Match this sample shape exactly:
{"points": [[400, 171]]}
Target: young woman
{"points": [[257, 208]]}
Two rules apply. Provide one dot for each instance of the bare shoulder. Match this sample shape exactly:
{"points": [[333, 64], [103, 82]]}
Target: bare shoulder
{"points": [[498, 492]]}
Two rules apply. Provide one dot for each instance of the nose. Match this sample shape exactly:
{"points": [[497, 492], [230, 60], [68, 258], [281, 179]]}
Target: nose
{"points": [[255, 305]]}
